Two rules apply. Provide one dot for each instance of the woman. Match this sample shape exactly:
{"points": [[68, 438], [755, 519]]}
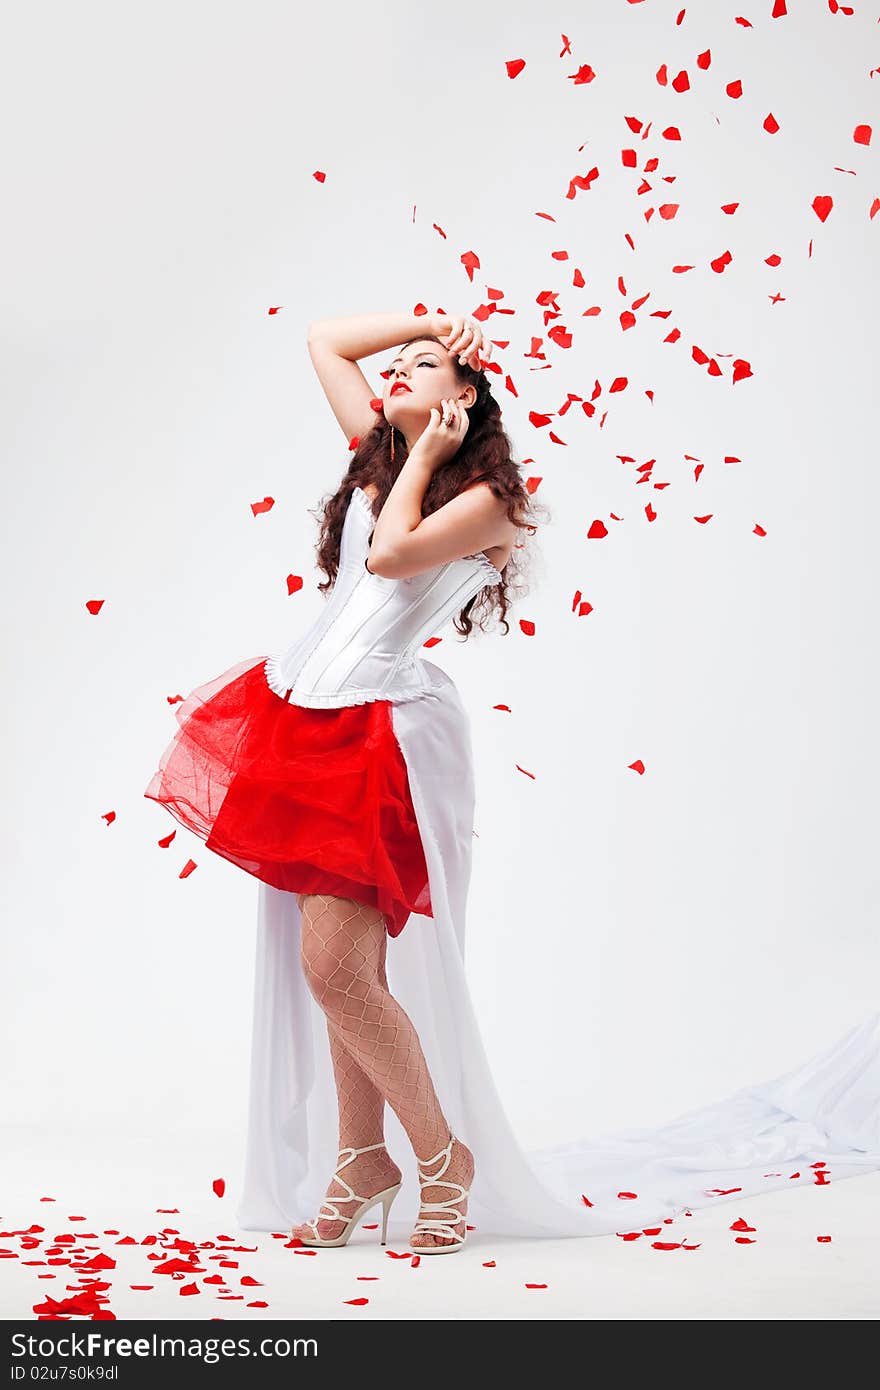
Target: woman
{"points": [[312, 795], [340, 774]]}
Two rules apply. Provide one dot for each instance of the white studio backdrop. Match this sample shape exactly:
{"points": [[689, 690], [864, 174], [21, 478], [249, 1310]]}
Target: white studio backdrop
{"points": [[637, 944]]}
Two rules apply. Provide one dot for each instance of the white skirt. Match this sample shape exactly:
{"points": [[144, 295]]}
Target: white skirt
{"points": [[827, 1111]]}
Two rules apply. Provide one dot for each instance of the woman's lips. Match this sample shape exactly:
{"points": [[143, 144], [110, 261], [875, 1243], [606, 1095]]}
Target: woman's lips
{"points": [[399, 386]]}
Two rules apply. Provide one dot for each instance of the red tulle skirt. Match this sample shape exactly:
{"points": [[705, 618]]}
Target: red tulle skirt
{"points": [[308, 800]]}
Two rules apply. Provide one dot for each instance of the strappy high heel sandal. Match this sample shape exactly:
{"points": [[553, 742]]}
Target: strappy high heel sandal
{"points": [[386, 1197], [454, 1240]]}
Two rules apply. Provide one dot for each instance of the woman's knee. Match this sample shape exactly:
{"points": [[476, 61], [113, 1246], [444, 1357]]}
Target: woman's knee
{"points": [[337, 950]]}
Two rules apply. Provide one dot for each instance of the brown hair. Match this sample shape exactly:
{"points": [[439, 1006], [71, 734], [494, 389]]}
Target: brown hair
{"points": [[485, 456]]}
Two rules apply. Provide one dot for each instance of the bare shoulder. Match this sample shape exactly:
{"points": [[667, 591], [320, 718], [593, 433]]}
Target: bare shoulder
{"points": [[499, 554]]}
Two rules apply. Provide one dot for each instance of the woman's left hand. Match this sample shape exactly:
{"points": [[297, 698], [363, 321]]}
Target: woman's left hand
{"points": [[439, 441]]}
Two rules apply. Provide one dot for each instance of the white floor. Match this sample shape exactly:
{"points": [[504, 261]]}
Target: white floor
{"points": [[786, 1273]]}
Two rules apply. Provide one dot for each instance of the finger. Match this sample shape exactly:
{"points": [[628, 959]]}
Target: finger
{"points": [[472, 351], [455, 332], [463, 340], [470, 339]]}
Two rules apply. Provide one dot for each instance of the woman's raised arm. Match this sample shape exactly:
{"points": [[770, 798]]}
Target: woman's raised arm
{"points": [[335, 346]]}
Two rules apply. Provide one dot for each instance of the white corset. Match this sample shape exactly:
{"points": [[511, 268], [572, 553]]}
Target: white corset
{"points": [[363, 645]]}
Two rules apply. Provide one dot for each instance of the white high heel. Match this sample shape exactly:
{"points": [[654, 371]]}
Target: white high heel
{"points": [[454, 1240], [386, 1197]]}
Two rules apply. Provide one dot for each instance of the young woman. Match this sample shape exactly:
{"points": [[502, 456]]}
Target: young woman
{"points": [[340, 774], [291, 767]]}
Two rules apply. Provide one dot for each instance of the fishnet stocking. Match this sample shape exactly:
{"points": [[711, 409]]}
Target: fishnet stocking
{"points": [[376, 1054]]}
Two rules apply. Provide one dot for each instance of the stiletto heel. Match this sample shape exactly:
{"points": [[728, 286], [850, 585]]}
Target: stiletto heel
{"points": [[444, 1226], [386, 1197]]}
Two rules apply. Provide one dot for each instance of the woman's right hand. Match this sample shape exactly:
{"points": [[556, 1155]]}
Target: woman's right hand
{"points": [[462, 337]]}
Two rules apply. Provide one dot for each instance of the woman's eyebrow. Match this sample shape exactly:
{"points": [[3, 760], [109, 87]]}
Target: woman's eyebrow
{"points": [[428, 353]]}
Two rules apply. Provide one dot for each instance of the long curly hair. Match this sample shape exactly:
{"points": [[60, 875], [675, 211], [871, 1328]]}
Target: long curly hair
{"points": [[485, 455]]}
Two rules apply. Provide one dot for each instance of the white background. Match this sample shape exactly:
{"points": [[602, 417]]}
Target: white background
{"points": [[637, 945]]}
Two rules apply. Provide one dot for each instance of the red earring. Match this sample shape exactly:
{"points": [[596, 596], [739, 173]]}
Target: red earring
{"points": [[392, 443]]}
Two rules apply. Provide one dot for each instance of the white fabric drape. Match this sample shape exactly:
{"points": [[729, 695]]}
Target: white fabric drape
{"points": [[825, 1111]]}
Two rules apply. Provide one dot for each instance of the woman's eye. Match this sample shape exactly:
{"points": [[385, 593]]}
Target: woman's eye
{"points": [[418, 364]]}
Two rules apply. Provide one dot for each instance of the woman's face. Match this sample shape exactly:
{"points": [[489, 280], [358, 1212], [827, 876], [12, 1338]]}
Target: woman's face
{"points": [[426, 369]]}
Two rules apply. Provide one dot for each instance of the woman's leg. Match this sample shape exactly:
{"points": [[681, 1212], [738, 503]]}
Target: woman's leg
{"points": [[343, 955], [361, 1115]]}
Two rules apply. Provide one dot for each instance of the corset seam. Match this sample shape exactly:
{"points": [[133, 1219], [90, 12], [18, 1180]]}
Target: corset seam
{"points": [[417, 641], [366, 618]]}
